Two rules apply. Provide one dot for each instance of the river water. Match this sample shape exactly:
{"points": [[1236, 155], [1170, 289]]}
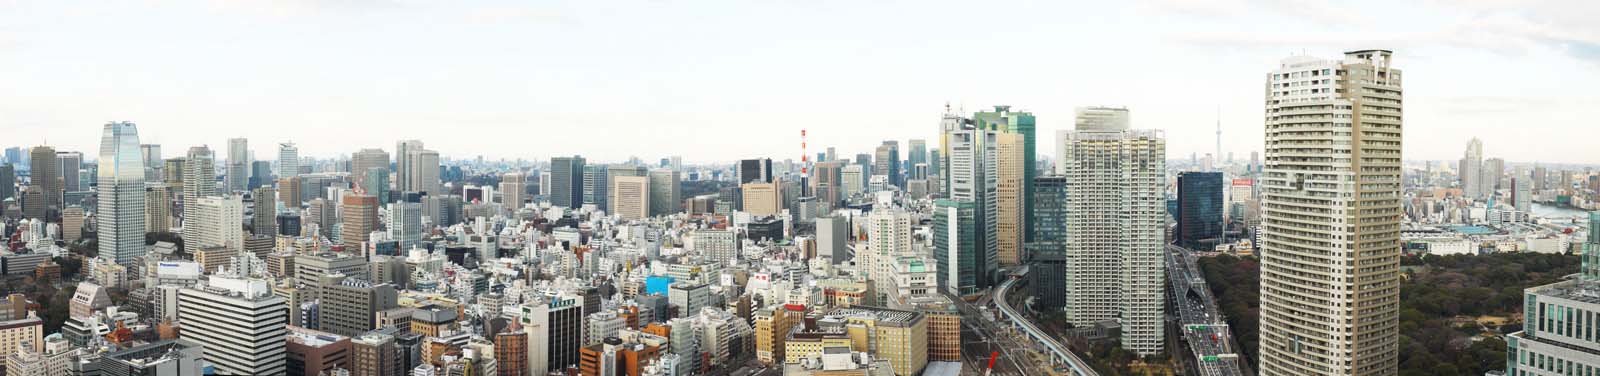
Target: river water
{"points": [[1557, 213]]}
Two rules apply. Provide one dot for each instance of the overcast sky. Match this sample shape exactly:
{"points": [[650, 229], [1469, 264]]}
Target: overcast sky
{"points": [[721, 80]]}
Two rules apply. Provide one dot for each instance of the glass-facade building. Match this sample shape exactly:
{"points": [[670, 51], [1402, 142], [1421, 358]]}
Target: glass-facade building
{"points": [[1199, 211], [1048, 270]]}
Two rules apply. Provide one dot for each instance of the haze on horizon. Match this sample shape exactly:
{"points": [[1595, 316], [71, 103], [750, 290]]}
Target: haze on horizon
{"points": [[718, 81]]}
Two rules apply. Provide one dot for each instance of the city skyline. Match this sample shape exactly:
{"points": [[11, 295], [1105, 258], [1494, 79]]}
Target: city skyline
{"points": [[473, 89]]}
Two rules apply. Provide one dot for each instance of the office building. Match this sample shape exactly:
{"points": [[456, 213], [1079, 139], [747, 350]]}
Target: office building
{"points": [[240, 325], [309, 269], [1559, 332], [288, 160], [217, 221], [314, 352], [424, 173], [665, 192], [916, 153], [554, 326], [826, 185], [852, 181], [199, 180], [120, 206], [513, 190], [359, 216], [1330, 303], [405, 224], [378, 354], [632, 194], [597, 187], [289, 193], [365, 160], [832, 235], [1471, 170], [612, 173], [762, 199], [260, 174], [1048, 250], [1199, 213], [965, 232], [1116, 225], [757, 170], [348, 304], [888, 238], [157, 209], [1009, 200], [886, 162], [8, 181], [71, 163], [404, 157], [45, 172], [237, 176], [688, 297], [566, 181], [1006, 121], [264, 212], [1522, 194]]}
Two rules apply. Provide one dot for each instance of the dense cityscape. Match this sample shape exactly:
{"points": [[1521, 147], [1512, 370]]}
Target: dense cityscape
{"points": [[812, 188]]}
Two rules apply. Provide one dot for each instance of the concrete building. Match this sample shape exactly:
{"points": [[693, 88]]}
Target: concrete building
{"points": [[359, 215], [566, 182], [689, 298], [237, 176], [513, 190], [288, 160], [632, 197], [833, 236], [45, 172], [1116, 225], [348, 304], [1010, 186], [312, 352], [199, 180], [762, 199], [365, 160], [966, 239], [1339, 314], [241, 326], [215, 221]]}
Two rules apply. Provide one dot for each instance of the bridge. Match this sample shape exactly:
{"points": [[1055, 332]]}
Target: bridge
{"points": [[1199, 321], [1059, 354]]}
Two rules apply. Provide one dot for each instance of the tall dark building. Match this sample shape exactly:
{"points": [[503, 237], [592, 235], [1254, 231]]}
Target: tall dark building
{"points": [[566, 180], [260, 174], [8, 181], [1048, 249], [1199, 212], [755, 170]]}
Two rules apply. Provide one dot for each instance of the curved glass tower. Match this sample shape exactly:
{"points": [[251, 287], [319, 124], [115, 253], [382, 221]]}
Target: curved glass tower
{"points": [[120, 214]]}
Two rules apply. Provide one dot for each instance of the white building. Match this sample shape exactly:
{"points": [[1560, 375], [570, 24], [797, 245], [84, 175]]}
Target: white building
{"points": [[217, 221], [1116, 230], [240, 324]]}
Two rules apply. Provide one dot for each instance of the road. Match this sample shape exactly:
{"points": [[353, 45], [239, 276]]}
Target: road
{"points": [[981, 336], [1202, 325], [1075, 365]]}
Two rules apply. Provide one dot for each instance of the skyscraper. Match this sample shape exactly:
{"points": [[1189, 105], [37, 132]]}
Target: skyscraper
{"points": [[1116, 225], [597, 186], [403, 158], [215, 221], [153, 162], [45, 172], [405, 224], [1048, 251], [360, 219], [70, 163], [566, 180], [1199, 210], [424, 171], [364, 160], [8, 181], [1522, 194], [1330, 293], [1471, 170], [199, 180], [609, 181], [888, 237], [969, 213], [826, 185], [916, 152], [757, 170], [264, 215], [886, 162], [288, 160], [1008, 198], [1004, 120], [238, 174], [632, 194], [762, 199], [157, 208], [119, 214], [513, 190], [664, 192]]}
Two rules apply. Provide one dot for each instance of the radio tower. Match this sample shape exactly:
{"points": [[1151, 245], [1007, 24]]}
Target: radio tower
{"points": [[805, 163]]}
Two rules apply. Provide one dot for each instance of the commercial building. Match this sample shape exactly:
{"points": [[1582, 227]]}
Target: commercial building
{"points": [[665, 193], [215, 221], [965, 233], [359, 215], [348, 304], [632, 197], [120, 206], [1199, 213], [288, 161], [1330, 294], [566, 182], [241, 326], [237, 178], [311, 352], [762, 199]]}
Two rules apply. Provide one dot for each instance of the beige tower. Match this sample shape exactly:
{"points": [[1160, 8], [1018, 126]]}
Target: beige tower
{"points": [[512, 187], [633, 196], [1330, 231], [360, 219], [1009, 163]]}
